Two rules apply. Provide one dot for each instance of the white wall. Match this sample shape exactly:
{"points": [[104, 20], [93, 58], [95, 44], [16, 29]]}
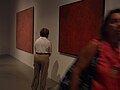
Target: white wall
{"points": [[110, 4], [46, 14], [4, 27], [16, 6]]}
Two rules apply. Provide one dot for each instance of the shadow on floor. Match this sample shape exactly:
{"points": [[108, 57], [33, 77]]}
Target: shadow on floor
{"points": [[14, 75]]}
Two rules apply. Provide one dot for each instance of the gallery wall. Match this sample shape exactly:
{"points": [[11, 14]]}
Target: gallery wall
{"points": [[46, 14], [4, 27]]}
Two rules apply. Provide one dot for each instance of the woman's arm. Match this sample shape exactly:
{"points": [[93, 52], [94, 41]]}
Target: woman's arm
{"points": [[86, 56]]}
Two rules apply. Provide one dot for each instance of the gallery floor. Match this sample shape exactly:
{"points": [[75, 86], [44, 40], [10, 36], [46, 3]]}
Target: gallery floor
{"points": [[15, 75]]}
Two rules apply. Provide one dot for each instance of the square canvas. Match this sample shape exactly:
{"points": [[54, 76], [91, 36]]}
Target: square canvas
{"points": [[79, 22], [25, 30]]}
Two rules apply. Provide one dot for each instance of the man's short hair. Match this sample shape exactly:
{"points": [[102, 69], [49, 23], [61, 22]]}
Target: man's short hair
{"points": [[44, 32]]}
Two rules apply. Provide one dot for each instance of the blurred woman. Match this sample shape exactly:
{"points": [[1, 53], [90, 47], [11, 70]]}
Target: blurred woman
{"points": [[108, 67]]}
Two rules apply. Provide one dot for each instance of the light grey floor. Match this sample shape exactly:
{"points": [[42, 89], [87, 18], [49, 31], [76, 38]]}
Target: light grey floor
{"points": [[15, 75]]}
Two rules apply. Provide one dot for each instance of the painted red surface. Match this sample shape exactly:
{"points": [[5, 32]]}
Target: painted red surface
{"points": [[79, 22], [24, 30]]}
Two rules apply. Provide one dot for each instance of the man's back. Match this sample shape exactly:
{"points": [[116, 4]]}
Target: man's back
{"points": [[43, 45]]}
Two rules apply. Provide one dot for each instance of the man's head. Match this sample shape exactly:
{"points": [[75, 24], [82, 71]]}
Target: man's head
{"points": [[44, 32]]}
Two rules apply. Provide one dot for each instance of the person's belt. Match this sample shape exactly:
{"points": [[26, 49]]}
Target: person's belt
{"points": [[42, 53]]}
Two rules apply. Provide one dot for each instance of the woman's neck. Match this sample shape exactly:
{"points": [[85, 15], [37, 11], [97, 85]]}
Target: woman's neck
{"points": [[113, 42]]}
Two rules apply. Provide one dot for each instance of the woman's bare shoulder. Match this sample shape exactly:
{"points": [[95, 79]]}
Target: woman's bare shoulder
{"points": [[91, 47]]}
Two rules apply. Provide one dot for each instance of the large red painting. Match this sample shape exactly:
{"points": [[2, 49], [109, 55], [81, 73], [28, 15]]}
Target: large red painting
{"points": [[24, 30], [79, 22]]}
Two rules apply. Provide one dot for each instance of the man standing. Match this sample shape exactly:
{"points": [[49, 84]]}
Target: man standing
{"points": [[43, 49]]}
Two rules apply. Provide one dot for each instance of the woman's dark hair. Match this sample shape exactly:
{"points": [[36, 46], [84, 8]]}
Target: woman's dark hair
{"points": [[104, 33], [44, 32]]}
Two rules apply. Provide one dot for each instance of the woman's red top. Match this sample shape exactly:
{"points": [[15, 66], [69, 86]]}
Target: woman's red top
{"points": [[108, 68]]}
